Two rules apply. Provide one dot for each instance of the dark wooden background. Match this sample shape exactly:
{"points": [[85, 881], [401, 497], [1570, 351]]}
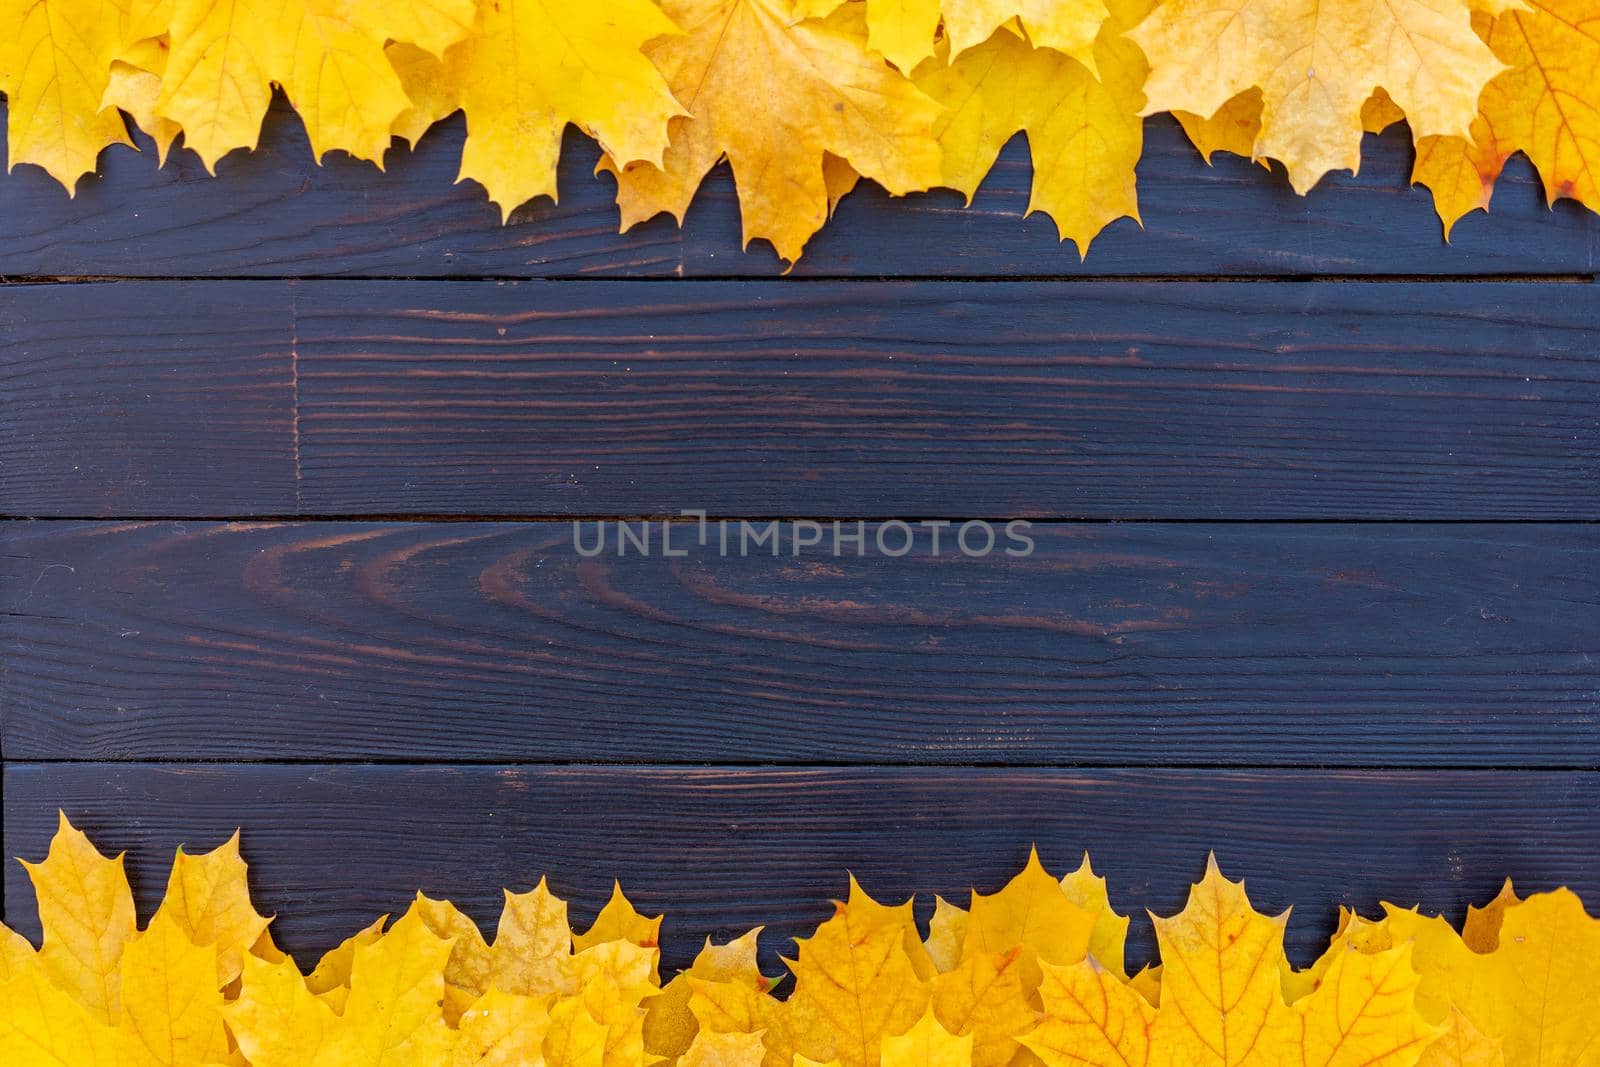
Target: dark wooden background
{"points": [[288, 460]]}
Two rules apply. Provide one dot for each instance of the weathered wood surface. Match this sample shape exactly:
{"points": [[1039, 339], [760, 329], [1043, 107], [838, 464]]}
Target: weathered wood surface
{"points": [[874, 399], [722, 850], [274, 213], [1126, 643]]}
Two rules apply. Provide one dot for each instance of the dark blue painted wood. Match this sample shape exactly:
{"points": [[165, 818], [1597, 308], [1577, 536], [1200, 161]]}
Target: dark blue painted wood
{"points": [[1236, 400], [1127, 644]]}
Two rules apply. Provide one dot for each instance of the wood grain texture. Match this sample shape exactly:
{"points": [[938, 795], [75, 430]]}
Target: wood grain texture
{"points": [[111, 407], [274, 213], [871, 399], [1128, 644], [724, 850]]}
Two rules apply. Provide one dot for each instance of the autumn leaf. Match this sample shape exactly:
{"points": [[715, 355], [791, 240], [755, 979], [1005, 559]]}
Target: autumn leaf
{"points": [[1462, 1045], [208, 899], [772, 95], [1221, 995], [431, 95], [328, 58], [947, 932], [1034, 914], [531, 67], [86, 909], [1362, 1014], [903, 31], [277, 1020], [854, 983], [670, 1025], [467, 971], [330, 979], [42, 1026], [1084, 132], [1481, 930], [394, 1012], [927, 1044], [1316, 62], [724, 1050], [134, 86], [1545, 105], [1091, 1019], [55, 65], [171, 999], [620, 921], [15, 954], [984, 999], [532, 943], [502, 1029], [1109, 935], [1538, 991]]}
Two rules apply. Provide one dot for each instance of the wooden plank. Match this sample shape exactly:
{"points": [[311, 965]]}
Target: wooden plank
{"points": [[113, 409], [722, 850], [872, 399], [1127, 643], [274, 213]]}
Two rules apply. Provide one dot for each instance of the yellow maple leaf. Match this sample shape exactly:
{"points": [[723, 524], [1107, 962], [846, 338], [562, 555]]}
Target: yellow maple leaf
{"points": [[86, 910], [576, 1038], [612, 980], [171, 998], [852, 987], [1092, 1019], [55, 63], [1221, 991], [432, 95], [927, 1044], [466, 972], [1538, 992], [42, 1026], [865, 915], [1084, 132], [620, 921], [394, 1012], [327, 55], [502, 1029], [1481, 931], [1462, 1045], [1109, 936], [947, 932], [15, 953], [531, 67], [737, 1007], [1033, 913], [134, 86], [1544, 105], [208, 898], [1362, 1014], [983, 998], [1316, 63], [772, 95], [1237, 123], [330, 979], [903, 31], [669, 1024], [710, 1049], [1223, 999], [532, 943], [277, 1020]]}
